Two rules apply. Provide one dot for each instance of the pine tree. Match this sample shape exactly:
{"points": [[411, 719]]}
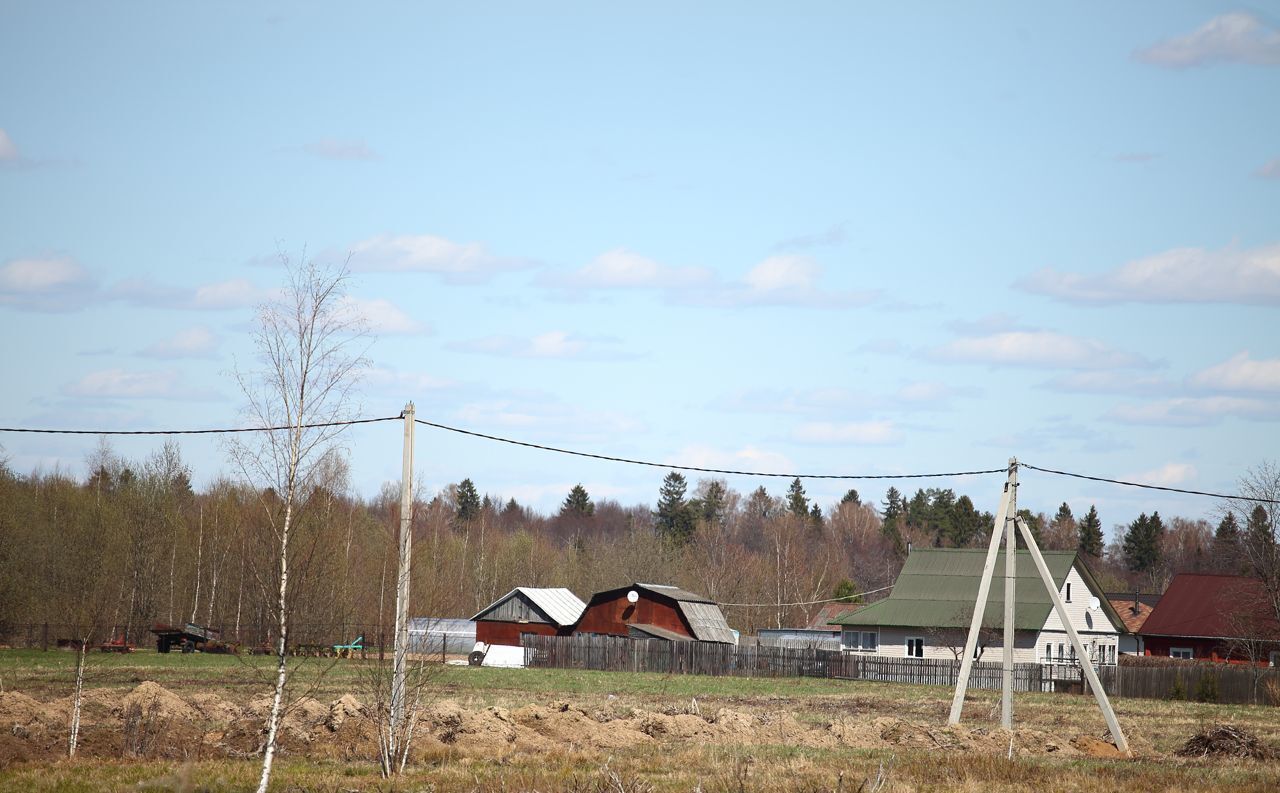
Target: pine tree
{"points": [[674, 518], [851, 498], [468, 501], [796, 500], [1090, 531], [1142, 543], [892, 506], [578, 503]]}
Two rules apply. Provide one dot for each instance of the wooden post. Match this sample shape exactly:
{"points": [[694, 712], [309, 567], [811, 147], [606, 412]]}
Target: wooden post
{"points": [[1010, 599], [401, 636], [980, 606], [1085, 664]]}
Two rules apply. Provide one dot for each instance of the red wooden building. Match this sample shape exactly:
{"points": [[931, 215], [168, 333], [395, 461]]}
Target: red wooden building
{"points": [[544, 612], [655, 611], [1213, 618]]}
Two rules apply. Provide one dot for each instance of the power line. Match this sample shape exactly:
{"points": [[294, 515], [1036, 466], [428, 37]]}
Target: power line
{"points": [[199, 432], [1149, 487], [810, 602], [699, 469]]}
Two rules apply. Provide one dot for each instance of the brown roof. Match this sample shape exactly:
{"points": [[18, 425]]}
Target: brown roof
{"points": [[1213, 607], [1133, 617], [829, 612]]}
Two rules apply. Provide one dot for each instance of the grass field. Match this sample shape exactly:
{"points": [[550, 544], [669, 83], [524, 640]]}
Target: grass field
{"points": [[560, 730]]}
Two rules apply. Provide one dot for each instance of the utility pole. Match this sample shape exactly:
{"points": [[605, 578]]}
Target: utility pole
{"points": [[1010, 599], [401, 640]]}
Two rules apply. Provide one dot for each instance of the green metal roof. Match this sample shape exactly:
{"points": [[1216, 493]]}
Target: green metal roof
{"points": [[938, 586]]}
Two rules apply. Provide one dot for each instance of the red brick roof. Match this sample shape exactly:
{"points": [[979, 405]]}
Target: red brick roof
{"points": [[830, 611], [1212, 606]]}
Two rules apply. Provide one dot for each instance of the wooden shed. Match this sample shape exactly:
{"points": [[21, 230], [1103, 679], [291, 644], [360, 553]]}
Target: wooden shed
{"points": [[545, 612], [655, 611]]}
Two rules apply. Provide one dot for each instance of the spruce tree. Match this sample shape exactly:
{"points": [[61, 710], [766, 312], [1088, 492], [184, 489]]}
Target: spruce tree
{"points": [[468, 501], [1090, 530], [797, 502], [1064, 514], [892, 506], [674, 518], [578, 502], [1142, 543], [714, 503], [851, 498]]}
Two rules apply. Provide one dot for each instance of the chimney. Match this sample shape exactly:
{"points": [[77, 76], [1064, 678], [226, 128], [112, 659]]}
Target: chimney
{"points": [[908, 547], [1135, 602]]}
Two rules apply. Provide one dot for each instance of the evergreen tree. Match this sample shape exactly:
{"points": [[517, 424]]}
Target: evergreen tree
{"points": [[578, 502], [892, 507], [1261, 550], [1142, 543], [714, 503], [851, 498], [674, 516], [797, 502], [966, 523], [1034, 524], [759, 503], [1090, 531], [847, 591], [815, 516], [468, 501], [1064, 514]]}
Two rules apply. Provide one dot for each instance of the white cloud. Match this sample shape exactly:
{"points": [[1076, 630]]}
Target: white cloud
{"points": [[194, 342], [427, 253], [623, 269], [8, 150], [927, 392], [334, 149], [1241, 373], [1111, 382], [235, 293], [1237, 37], [555, 344], [1168, 475], [1195, 411], [788, 280], [1270, 169], [1182, 275], [783, 273], [381, 316], [865, 433], [748, 458], [1036, 348], [50, 284], [123, 384]]}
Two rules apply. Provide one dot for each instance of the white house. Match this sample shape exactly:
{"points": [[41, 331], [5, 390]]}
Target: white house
{"points": [[929, 611]]}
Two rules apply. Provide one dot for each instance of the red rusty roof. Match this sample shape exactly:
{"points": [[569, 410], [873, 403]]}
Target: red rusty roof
{"points": [[1212, 606], [1134, 614], [830, 611]]}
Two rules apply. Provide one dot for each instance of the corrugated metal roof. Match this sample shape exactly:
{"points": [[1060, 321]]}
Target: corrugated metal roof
{"points": [[657, 632], [1212, 607], [938, 586], [560, 605], [442, 625], [706, 622]]}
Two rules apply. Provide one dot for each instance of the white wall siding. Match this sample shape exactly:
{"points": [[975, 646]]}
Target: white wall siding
{"points": [[893, 644], [1084, 620]]}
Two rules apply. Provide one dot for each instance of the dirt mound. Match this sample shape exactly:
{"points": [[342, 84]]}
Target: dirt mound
{"points": [[454, 725], [157, 702], [1226, 740], [20, 709], [214, 708], [341, 709], [1091, 746]]}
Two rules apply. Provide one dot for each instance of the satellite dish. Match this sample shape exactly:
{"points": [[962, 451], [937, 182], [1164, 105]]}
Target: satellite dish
{"points": [[633, 596], [1094, 604]]}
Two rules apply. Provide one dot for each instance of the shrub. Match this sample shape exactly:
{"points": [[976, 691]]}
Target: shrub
{"points": [[1207, 690], [1178, 690]]}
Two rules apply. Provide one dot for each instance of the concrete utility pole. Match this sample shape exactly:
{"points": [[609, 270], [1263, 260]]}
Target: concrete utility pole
{"points": [[401, 640], [1010, 599]]}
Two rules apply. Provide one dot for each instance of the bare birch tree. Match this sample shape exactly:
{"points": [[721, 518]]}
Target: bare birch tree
{"points": [[310, 351]]}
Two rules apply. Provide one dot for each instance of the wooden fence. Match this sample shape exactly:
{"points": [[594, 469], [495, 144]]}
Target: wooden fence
{"points": [[1214, 683], [620, 654]]}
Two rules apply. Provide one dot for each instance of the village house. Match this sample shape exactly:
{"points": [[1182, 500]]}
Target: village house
{"points": [[929, 611], [543, 612], [1214, 618], [655, 611], [1134, 610]]}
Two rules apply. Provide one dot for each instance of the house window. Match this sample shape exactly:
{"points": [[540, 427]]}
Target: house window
{"points": [[1048, 652], [1181, 652], [849, 639], [1111, 653], [915, 647], [870, 641], [1073, 653], [1062, 652], [1068, 592], [1275, 657]]}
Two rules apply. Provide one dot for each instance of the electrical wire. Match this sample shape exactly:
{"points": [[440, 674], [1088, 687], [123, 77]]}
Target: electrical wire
{"points": [[1147, 486], [809, 602], [200, 432], [698, 469]]}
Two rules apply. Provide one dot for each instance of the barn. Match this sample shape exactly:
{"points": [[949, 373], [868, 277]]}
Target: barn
{"points": [[540, 611], [655, 611]]}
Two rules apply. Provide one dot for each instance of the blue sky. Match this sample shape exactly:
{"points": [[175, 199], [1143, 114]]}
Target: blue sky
{"points": [[816, 237]]}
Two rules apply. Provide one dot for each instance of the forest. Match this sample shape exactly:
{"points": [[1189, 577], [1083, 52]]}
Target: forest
{"points": [[132, 543]]}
